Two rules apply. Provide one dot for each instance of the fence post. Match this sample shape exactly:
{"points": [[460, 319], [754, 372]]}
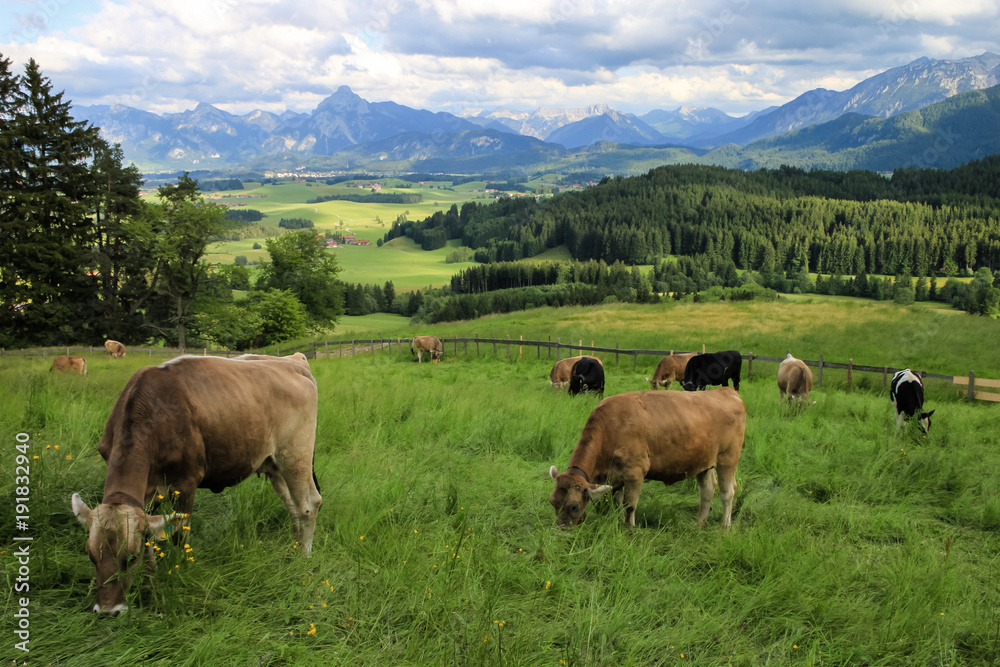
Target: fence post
{"points": [[520, 348], [477, 344], [548, 350], [850, 372], [508, 347], [616, 354], [703, 348], [465, 346], [819, 379], [750, 366], [538, 348], [635, 359], [558, 348], [353, 350], [972, 385], [373, 347], [494, 347]]}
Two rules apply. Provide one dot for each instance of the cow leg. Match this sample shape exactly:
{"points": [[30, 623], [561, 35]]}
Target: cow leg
{"points": [[706, 490], [727, 491], [302, 500], [900, 419], [631, 500]]}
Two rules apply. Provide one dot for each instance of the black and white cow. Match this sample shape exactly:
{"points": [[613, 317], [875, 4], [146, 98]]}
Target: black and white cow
{"points": [[587, 375], [907, 395], [713, 368]]}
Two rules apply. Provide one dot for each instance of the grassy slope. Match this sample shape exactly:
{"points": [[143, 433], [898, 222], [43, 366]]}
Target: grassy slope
{"points": [[415, 270], [852, 543]]}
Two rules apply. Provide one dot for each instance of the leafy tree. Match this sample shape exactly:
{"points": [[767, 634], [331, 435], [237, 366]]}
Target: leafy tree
{"points": [[302, 266], [282, 315], [188, 224]]}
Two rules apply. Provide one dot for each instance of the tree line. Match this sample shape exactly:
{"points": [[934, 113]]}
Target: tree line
{"points": [[922, 221], [375, 198]]}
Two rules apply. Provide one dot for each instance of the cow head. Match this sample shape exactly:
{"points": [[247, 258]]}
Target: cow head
{"points": [[115, 537], [571, 495], [652, 383], [925, 421]]}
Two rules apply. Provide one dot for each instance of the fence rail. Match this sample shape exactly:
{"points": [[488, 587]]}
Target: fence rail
{"points": [[971, 383]]}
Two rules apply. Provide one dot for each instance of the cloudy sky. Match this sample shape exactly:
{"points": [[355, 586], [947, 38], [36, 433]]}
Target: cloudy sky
{"points": [[240, 55]]}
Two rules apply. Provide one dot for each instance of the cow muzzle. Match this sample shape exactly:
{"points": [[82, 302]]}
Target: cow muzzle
{"points": [[117, 609]]}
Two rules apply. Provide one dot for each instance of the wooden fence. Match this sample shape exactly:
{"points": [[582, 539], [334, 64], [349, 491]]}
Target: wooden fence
{"points": [[971, 384], [369, 345]]}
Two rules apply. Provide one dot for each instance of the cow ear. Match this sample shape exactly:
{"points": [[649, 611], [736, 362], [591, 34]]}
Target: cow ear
{"points": [[553, 473], [80, 509], [160, 527], [598, 491]]}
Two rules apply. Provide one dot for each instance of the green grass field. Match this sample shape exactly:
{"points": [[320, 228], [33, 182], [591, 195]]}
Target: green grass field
{"points": [[401, 261], [852, 543]]}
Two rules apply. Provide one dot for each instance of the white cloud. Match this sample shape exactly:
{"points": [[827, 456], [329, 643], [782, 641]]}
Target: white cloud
{"points": [[737, 55]]}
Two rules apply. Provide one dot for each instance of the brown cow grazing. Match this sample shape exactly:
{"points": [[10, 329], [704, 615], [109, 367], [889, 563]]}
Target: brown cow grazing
{"points": [[663, 436], [560, 374], [114, 348], [76, 365], [795, 381], [427, 344], [199, 422], [669, 369]]}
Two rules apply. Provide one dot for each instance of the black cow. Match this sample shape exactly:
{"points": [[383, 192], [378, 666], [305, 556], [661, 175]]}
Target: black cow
{"points": [[587, 375], [907, 395], [713, 368]]}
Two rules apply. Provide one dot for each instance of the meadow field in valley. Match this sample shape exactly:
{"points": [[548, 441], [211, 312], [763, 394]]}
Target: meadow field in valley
{"points": [[853, 543]]}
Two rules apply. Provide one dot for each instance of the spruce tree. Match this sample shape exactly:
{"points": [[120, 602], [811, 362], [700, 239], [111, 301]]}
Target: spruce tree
{"points": [[48, 281]]}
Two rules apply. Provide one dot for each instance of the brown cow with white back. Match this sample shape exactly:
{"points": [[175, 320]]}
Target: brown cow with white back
{"points": [[795, 381], [76, 365], [561, 372], [662, 436], [114, 348], [199, 422], [430, 344], [669, 369]]}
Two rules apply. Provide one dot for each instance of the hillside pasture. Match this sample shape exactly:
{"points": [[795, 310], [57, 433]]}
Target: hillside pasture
{"points": [[852, 542]]}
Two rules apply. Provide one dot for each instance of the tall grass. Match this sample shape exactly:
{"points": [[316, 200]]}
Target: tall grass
{"points": [[852, 542]]}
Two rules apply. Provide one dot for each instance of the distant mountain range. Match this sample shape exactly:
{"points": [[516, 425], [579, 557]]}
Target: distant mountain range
{"points": [[820, 127]]}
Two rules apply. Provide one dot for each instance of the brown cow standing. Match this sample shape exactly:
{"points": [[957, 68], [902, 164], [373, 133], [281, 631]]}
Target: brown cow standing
{"points": [[427, 344], [64, 364], [663, 436], [114, 348], [199, 422], [560, 374], [669, 369], [795, 381]]}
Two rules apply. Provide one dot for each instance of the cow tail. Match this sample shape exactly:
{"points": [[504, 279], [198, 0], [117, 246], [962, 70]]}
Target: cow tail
{"points": [[315, 480]]}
